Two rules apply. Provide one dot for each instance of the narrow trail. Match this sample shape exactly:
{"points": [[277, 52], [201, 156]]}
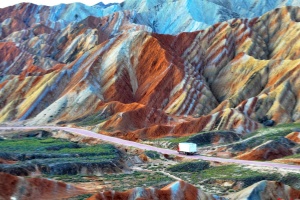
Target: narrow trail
{"points": [[157, 149]]}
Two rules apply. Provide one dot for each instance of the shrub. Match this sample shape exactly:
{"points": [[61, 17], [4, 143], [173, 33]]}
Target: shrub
{"points": [[152, 154]]}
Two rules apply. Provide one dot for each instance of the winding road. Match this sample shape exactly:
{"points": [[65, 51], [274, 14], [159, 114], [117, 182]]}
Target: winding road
{"points": [[160, 150]]}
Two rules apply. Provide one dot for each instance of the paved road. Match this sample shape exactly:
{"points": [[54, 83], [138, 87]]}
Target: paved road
{"points": [[148, 147]]}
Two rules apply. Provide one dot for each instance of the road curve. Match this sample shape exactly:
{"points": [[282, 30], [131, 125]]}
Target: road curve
{"points": [[160, 150]]}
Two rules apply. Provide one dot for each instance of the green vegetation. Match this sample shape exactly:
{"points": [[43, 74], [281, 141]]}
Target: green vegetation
{"points": [[276, 131], [291, 179], [53, 146], [178, 140], [288, 125], [57, 156], [235, 173], [152, 154], [91, 120], [263, 135], [81, 197], [292, 156], [29, 144], [207, 138], [120, 182], [103, 149], [197, 166]]}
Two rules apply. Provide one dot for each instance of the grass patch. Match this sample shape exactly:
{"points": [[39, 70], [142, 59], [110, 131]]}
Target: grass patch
{"points": [[277, 131], [229, 173], [81, 197], [234, 172], [29, 144], [91, 120], [207, 138], [53, 146], [178, 140], [237, 173], [189, 166], [263, 135], [292, 156], [122, 182]]}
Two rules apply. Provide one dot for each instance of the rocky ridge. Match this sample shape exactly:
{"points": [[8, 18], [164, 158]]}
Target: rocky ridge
{"points": [[157, 14]]}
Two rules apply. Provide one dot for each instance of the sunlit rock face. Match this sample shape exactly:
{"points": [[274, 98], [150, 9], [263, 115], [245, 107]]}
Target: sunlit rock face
{"points": [[113, 74]]}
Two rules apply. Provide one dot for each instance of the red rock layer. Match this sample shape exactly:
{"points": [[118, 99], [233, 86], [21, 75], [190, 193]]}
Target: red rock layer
{"points": [[13, 187]]}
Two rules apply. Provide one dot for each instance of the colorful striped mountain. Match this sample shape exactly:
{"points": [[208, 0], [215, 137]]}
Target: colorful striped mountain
{"points": [[116, 68]]}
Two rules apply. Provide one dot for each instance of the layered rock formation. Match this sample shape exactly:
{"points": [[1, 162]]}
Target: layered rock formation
{"points": [[181, 190], [32, 188], [178, 190], [14, 187], [113, 75], [267, 190]]}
